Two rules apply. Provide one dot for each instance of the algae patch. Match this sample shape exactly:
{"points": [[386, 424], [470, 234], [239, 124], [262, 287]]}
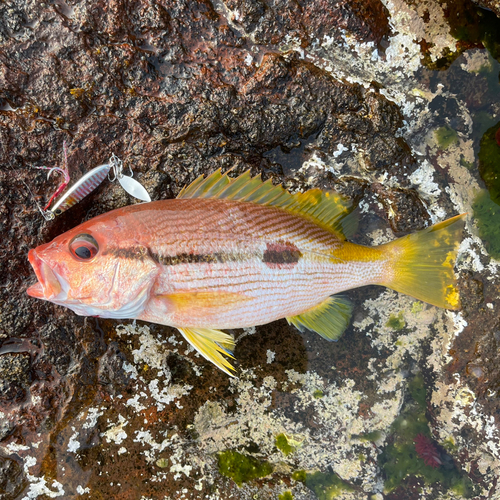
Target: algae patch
{"points": [[242, 468], [318, 394], [487, 217], [489, 161], [446, 136], [396, 322], [325, 486], [283, 444], [400, 459]]}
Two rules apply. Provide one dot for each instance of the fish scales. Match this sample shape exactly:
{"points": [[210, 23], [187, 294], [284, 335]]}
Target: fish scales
{"points": [[225, 227], [211, 262]]}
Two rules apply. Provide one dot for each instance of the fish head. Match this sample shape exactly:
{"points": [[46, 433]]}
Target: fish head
{"points": [[94, 269]]}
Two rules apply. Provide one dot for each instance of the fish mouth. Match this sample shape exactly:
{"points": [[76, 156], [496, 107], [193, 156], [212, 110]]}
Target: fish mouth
{"points": [[48, 286]]}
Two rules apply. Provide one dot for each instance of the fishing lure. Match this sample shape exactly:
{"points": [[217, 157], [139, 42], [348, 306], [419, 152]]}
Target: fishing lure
{"points": [[88, 183], [130, 185], [79, 190], [65, 174]]}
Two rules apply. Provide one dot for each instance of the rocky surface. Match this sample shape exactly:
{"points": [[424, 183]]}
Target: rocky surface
{"points": [[494, 5], [334, 94]]}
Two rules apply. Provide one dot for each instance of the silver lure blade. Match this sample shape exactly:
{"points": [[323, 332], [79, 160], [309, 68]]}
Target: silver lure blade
{"points": [[130, 185], [134, 188], [81, 189]]}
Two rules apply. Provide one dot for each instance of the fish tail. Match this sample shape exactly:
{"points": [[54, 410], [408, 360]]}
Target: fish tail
{"points": [[421, 263]]}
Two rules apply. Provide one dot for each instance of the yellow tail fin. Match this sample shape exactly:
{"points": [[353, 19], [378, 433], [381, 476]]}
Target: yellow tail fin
{"points": [[422, 264]]}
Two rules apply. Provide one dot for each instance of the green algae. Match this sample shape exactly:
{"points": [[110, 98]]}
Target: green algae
{"points": [[472, 27], [163, 462], [318, 394], [396, 322], [417, 307], [283, 444], [368, 436], [487, 216], [326, 485], [287, 495], [489, 162], [399, 459], [417, 390], [300, 475], [242, 468], [446, 136]]}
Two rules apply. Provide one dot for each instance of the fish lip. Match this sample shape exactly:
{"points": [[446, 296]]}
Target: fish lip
{"points": [[48, 286]]}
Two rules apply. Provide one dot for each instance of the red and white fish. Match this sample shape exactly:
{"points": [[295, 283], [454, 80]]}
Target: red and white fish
{"points": [[234, 253]]}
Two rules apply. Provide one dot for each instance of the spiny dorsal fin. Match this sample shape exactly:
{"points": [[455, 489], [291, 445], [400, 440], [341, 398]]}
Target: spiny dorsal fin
{"points": [[329, 319], [327, 208], [212, 344]]}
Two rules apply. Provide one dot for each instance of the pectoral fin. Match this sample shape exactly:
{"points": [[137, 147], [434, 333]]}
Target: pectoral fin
{"points": [[329, 319], [211, 344]]}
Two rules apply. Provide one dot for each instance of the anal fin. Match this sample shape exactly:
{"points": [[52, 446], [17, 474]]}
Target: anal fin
{"points": [[212, 344], [329, 319]]}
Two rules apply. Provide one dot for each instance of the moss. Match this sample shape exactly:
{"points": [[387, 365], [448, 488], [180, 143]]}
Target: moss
{"points": [[242, 468], [489, 162], [287, 495], [396, 322], [446, 136], [318, 394], [326, 485], [283, 444], [487, 216]]}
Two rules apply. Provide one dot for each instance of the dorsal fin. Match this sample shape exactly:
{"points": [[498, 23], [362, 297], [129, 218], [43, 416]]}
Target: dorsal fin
{"points": [[327, 208]]}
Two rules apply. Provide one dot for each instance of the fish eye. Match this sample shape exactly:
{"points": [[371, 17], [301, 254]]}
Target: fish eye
{"points": [[83, 247]]}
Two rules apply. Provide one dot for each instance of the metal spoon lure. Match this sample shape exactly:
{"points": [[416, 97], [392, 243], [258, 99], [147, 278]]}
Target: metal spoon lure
{"points": [[130, 185]]}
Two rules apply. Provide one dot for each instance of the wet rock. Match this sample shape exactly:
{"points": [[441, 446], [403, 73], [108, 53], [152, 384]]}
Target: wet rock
{"points": [[11, 479], [178, 90], [493, 5], [273, 22], [15, 381]]}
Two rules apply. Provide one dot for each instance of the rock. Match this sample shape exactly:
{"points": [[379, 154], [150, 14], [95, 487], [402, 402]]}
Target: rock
{"points": [[493, 5], [322, 94]]}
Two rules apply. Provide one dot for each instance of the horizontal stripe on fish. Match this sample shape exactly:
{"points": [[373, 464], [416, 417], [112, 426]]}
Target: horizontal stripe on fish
{"points": [[275, 255]]}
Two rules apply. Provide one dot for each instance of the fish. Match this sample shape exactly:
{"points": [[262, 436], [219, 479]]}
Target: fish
{"points": [[234, 253]]}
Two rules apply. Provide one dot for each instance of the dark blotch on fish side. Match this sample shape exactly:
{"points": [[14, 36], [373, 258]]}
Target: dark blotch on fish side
{"points": [[281, 255]]}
